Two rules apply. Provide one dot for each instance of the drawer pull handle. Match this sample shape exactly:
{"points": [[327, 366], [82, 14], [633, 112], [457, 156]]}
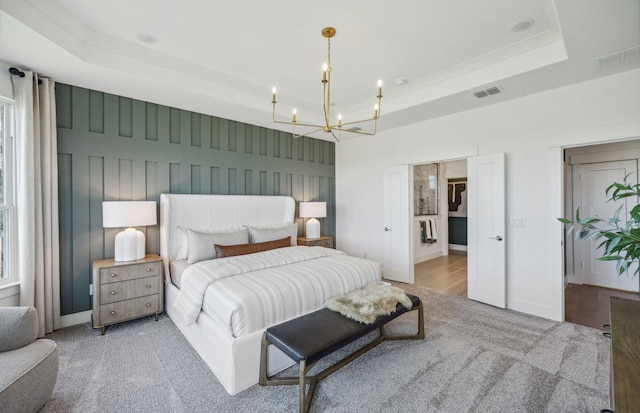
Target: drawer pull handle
{"points": [[113, 274], [148, 305], [148, 269], [148, 285], [607, 334], [113, 293], [113, 313]]}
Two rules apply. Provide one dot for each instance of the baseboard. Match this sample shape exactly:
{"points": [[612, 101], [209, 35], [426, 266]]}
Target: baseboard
{"points": [[75, 319], [573, 279], [427, 257], [457, 247]]}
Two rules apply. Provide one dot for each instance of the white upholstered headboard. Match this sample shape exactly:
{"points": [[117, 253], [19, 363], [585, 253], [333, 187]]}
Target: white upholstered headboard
{"points": [[206, 212]]}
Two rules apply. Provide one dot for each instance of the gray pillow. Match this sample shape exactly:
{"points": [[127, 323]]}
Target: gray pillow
{"points": [[274, 232], [201, 244]]}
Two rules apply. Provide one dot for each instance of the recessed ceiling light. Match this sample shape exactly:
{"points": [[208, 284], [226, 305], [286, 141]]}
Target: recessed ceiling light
{"points": [[522, 26], [147, 38]]}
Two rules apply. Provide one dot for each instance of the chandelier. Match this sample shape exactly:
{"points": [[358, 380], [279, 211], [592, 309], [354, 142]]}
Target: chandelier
{"points": [[328, 126]]}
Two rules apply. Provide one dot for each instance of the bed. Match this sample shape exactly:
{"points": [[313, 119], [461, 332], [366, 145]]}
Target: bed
{"points": [[222, 299]]}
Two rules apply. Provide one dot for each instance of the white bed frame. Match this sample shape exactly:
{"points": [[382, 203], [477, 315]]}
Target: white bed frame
{"points": [[234, 361]]}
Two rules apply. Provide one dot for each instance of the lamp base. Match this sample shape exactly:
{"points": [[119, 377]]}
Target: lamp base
{"points": [[129, 245], [312, 230]]}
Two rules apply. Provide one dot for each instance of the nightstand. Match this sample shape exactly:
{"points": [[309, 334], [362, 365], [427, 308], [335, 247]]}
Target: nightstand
{"points": [[125, 290], [316, 242]]}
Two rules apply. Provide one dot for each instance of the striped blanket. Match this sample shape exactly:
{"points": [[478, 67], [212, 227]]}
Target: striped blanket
{"points": [[250, 292]]}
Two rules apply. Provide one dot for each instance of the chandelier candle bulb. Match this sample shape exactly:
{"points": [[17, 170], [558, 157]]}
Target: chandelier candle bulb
{"points": [[295, 112], [273, 96], [375, 111], [339, 121], [379, 88]]}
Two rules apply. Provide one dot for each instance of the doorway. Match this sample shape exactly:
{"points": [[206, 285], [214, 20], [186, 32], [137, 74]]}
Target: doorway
{"points": [[590, 282], [446, 272]]}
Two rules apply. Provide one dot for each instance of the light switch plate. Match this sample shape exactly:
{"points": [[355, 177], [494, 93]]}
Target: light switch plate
{"points": [[517, 222]]}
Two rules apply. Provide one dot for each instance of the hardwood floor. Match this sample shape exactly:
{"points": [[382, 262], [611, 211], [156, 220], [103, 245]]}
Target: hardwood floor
{"points": [[447, 274], [584, 304], [589, 305]]}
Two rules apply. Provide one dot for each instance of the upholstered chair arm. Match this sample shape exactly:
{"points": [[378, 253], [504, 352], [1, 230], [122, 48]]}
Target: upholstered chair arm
{"points": [[18, 327]]}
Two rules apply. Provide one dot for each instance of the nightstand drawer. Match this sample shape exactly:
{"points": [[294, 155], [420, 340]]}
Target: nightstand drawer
{"points": [[125, 290], [129, 272], [124, 310]]}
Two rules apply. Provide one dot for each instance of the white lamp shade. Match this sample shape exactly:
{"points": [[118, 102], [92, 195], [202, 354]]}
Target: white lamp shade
{"points": [[313, 209], [119, 214], [130, 243]]}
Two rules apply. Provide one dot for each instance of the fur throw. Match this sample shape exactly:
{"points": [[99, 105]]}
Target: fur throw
{"points": [[366, 304]]}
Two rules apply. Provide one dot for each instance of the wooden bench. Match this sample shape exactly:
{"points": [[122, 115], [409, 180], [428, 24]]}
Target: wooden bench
{"points": [[309, 338]]}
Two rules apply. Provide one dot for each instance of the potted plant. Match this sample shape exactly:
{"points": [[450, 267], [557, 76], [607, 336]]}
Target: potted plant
{"points": [[620, 241]]}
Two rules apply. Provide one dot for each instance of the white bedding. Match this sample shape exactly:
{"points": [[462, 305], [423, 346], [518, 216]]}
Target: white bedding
{"points": [[250, 292]]}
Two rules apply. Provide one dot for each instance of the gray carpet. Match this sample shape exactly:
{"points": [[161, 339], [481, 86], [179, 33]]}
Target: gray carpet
{"points": [[475, 358]]}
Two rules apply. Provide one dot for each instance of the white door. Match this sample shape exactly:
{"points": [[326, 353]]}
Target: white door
{"points": [[486, 281], [398, 260], [594, 179]]}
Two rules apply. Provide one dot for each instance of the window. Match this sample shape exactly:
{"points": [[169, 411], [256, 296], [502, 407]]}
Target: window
{"points": [[7, 200]]}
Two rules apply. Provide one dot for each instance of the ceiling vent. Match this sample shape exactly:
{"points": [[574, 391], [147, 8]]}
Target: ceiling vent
{"points": [[487, 92], [627, 56]]}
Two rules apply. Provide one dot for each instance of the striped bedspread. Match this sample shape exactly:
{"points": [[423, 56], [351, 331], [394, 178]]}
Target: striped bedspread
{"points": [[249, 292]]}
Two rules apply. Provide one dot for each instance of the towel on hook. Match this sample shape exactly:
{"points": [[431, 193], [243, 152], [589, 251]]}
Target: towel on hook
{"points": [[432, 235]]}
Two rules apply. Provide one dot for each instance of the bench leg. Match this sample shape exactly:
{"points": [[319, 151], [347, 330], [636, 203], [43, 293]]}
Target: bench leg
{"points": [[418, 336]]}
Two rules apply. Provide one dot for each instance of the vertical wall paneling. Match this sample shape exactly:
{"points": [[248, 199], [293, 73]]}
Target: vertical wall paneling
{"points": [[248, 183], [115, 148], [174, 178], [196, 127], [276, 184], [263, 141], [64, 104], [96, 195], [264, 190], [289, 148], [152, 193], [65, 205], [126, 117], [174, 125], [96, 112], [215, 180], [232, 137], [151, 121], [196, 185], [233, 181]]}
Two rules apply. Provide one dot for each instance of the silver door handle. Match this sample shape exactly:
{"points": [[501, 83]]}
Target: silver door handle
{"points": [[387, 229], [497, 238]]}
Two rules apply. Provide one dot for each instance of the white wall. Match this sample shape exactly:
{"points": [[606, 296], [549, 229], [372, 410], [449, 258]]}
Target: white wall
{"points": [[531, 131], [6, 88]]}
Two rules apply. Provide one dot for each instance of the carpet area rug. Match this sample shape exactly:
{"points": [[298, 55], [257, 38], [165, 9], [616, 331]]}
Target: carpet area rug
{"points": [[474, 358]]}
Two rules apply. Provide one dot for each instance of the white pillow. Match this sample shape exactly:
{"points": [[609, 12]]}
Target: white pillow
{"points": [[201, 244], [183, 251], [274, 232]]}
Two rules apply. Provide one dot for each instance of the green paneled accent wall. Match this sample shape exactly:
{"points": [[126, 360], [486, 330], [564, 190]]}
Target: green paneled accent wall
{"points": [[114, 148]]}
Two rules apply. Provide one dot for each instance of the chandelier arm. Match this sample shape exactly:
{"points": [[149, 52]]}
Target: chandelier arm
{"points": [[335, 137], [308, 133], [310, 125]]}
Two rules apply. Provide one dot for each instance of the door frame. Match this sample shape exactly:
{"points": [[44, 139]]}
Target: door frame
{"points": [[556, 145]]}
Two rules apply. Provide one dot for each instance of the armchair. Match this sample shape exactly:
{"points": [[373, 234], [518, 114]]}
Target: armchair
{"points": [[29, 366]]}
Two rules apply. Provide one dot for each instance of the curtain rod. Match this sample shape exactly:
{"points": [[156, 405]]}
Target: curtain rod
{"points": [[18, 72]]}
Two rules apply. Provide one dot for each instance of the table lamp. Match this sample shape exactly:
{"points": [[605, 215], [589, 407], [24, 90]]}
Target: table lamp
{"points": [[129, 244], [313, 210]]}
